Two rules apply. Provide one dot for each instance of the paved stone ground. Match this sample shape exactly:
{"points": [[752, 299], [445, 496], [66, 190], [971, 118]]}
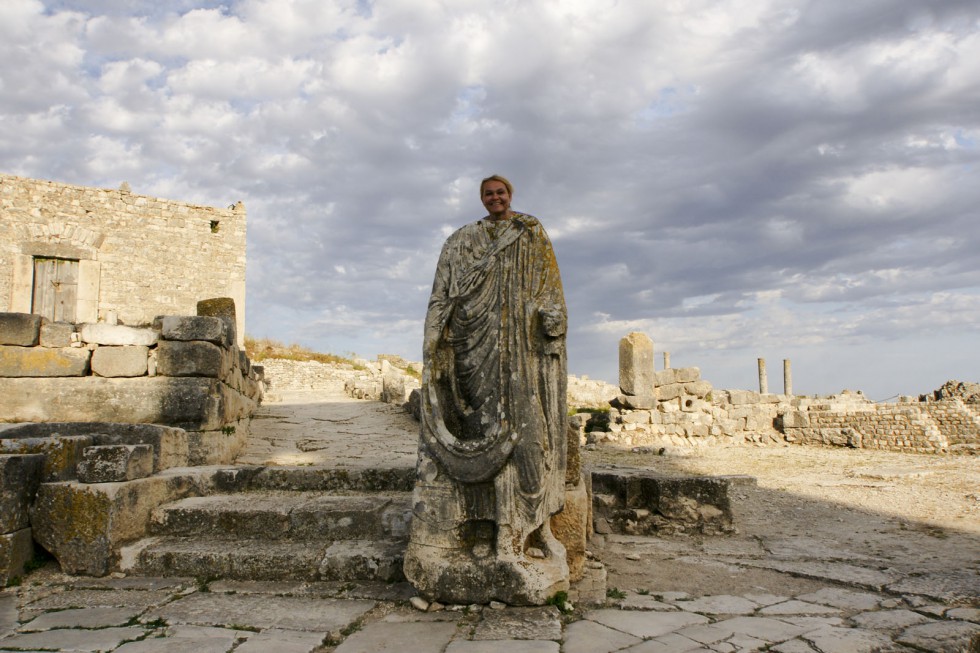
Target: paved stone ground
{"points": [[834, 609]]}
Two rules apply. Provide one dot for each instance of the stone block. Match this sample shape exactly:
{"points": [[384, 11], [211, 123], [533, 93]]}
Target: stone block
{"points": [[117, 334], [186, 328], [20, 329], [83, 525], [744, 397], [637, 402], [678, 375], [43, 362], [636, 417], [56, 334], [795, 419], [640, 502], [169, 444], [115, 463], [221, 307], [572, 527], [120, 361], [16, 550], [20, 475], [573, 452], [191, 358], [636, 375], [61, 453], [191, 402]]}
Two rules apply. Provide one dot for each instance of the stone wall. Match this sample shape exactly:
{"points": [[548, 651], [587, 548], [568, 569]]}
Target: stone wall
{"points": [[137, 256], [683, 410], [183, 371]]}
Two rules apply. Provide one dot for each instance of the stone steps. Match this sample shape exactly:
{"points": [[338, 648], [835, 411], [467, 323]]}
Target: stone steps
{"points": [[255, 559], [282, 523], [279, 516]]}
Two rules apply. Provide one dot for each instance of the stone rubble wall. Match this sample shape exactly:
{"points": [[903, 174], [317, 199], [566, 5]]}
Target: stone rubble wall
{"points": [[682, 410], [183, 371], [388, 379]]}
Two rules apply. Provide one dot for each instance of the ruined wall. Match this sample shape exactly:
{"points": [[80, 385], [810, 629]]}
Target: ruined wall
{"points": [[138, 256], [184, 371]]}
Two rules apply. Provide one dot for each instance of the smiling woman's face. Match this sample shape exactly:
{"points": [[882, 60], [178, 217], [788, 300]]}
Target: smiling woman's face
{"points": [[496, 199]]}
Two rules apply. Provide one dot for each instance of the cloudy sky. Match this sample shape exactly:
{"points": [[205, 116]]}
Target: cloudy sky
{"points": [[737, 178]]}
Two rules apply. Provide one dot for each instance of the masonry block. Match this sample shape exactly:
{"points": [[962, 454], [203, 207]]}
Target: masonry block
{"points": [[43, 362], [83, 525], [123, 361], [678, 375], [20, 329], [56, 334], [61, 453], [639, 502], [637, 402], [222, 307], [185, 328], [191, 403], [16, 550], [636, 376], [194, 358], [572, 527], [117, 334], [169, 444], [115, 463], [20, 475]]}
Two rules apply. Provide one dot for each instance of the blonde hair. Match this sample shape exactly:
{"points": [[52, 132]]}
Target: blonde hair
{"points": [[502, 180]]}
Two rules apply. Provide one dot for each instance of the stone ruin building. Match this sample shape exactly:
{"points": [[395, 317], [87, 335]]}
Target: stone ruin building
{"points": [[85, 255]]}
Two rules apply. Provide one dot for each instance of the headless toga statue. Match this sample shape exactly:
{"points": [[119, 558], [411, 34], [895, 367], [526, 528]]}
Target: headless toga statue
{"points": [[491, 463]]}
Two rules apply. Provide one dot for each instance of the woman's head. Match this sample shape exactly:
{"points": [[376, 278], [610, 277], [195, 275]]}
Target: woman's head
{"points": [[503, 180]]}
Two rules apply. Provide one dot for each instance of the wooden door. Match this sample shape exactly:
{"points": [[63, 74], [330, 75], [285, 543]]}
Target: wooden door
{"points": [[55, 288]]}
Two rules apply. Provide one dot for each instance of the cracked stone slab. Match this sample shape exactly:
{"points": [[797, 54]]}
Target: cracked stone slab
{"points": [[796, 607], [104, 639], [81, 618], [382, 637], [645, 624], [519, 623], [889, 619], [282, 641], [285, 612], [590, 637], [770, 630], [645, 602], [842, 598], [847, 640], [496, 646], [140, 600], [188, 639], [720, 604], [948, 587], [964, 614], [872, 579], [940, 636]]}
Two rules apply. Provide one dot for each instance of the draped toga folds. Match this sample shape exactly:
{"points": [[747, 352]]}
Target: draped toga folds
{"points": [[493, 395]]}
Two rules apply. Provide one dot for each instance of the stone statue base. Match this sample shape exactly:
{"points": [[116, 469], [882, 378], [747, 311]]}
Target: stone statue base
{"points": [[463, 577]]}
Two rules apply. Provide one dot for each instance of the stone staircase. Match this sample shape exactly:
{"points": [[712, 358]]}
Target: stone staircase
{"points": [[282, 523]]}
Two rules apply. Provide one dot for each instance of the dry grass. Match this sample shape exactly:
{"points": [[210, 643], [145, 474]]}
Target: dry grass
{"points": [[259, 349]]}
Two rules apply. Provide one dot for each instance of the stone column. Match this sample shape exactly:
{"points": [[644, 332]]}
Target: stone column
{"points": [[666, 360], [763, 379], [636, 364], [787, 378]]}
